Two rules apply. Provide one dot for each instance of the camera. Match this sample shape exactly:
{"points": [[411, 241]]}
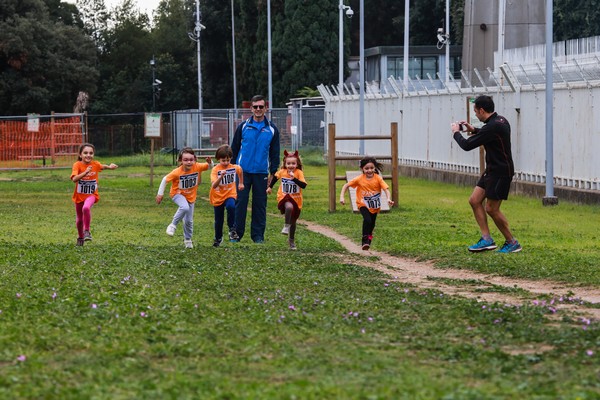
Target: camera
{"points": [[349, 12], [461, 127]]}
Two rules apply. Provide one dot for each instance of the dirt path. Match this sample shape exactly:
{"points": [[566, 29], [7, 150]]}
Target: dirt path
{"points": [[424, 274]]}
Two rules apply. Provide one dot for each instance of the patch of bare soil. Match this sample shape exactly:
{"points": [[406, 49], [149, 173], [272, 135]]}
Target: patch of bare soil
{"points": [[426, 275]]}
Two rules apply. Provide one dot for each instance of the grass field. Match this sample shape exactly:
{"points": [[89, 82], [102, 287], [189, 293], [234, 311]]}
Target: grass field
{"points": [[134, 315]]}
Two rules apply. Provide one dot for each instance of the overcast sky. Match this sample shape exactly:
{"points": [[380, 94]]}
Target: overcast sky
{"points": [[144, 5]]}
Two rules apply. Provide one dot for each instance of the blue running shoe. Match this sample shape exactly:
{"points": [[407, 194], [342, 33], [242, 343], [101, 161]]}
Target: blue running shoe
{"points": [[483, 245], [510, 247]]}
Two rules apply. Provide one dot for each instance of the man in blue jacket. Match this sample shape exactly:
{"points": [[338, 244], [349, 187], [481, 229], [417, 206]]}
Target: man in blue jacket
{"points": [[255, 148]]}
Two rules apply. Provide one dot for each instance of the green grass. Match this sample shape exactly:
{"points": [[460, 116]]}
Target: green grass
{"points": [[134, 315]]}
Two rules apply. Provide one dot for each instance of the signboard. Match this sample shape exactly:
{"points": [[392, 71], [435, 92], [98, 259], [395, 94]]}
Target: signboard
{"points": [[152, 124], [33, 122]]}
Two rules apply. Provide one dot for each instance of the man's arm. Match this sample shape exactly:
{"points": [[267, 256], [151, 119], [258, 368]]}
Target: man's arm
{"points": [[274, 152], [236, 143]]}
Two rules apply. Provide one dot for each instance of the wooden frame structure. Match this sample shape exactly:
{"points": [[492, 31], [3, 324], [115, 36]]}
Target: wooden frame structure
{"points": [[332, 158]]}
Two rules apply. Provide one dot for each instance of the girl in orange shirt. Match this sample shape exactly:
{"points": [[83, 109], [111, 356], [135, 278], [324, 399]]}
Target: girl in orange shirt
{"points": [[85, 176], [223, 193], [184, 188], [369, 186], [289, 195]]}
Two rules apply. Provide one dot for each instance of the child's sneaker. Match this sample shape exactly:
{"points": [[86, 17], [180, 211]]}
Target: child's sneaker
{"points": [[80, 241], [286, 229], [508, 247], [292, 245], [87, 235], [483, 245], [233, 236], [217, 242], [188, 244], [366, 242], [171, 229]]}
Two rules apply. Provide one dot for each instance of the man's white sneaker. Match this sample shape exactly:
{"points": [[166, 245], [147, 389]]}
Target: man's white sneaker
{"points": [[188, 244], [171, 229]]}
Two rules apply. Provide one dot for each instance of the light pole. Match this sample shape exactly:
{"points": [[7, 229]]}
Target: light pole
{"points": [[233, 58], [195, 36], [406, 41], [269, 54], [153, 66], [361, 118], [349, 13]]}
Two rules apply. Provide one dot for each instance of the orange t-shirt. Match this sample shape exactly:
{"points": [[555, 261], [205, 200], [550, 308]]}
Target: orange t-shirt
{"points": [[368, 191], [226, 188], [186, 183], [88, 185], [288, 187]]}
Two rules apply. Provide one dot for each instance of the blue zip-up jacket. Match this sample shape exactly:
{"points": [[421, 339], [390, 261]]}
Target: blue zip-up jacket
{"points": [[257, 152]]}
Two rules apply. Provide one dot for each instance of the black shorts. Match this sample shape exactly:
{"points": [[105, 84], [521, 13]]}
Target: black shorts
{"points": [[496, 188]]}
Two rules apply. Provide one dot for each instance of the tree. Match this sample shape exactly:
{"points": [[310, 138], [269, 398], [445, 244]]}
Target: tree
{"points": [[44, 64]]}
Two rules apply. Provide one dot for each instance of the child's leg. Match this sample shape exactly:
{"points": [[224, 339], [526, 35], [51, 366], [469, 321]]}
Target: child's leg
{"points": [[368, 221], [79, 219], [183, 209], [219, 218], [188, 222], [289, 211], [87, 212], [230, 207]]}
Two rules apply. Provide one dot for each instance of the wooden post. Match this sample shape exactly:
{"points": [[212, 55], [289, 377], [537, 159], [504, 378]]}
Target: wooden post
{"points": [[151, 162], [331, 164], [395, 173]]}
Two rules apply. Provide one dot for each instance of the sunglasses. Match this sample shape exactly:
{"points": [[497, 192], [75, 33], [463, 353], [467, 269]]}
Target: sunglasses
{"points": [[258, 107]]}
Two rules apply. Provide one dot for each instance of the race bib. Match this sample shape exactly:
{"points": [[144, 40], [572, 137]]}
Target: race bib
{"points": [[373, 202], [188, 181], [229, 176], [288, 186], [87, 186]]}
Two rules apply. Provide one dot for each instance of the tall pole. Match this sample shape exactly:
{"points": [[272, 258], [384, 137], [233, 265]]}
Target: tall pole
{"points": [[447, 73], [269, 53], [361, 147], [197, 30], [549, 199], [341, 48], [406, 42], [153, 65], [233, 58], [501, 30]]}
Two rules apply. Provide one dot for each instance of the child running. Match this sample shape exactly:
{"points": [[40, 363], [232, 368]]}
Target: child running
{"points": [[369, 186], [289, 195], [85, 176], [223, 193], [184, 188]]}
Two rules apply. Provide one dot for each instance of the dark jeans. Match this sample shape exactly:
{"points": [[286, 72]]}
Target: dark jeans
{"points": [[228, 205], [368, 221], [257, 183]]}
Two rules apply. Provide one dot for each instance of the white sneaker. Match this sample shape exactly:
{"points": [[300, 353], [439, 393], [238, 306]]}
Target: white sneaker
{"points": [[188, 244], [286, 229], [171, 229]]}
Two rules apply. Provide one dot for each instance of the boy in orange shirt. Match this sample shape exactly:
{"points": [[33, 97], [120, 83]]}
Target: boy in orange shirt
{"points": [[85, 174], [223, 193], [369, 186], [184, 188]]}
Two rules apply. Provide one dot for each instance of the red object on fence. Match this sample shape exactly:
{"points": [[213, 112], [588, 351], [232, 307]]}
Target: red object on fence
{"points": [[56, 143]]}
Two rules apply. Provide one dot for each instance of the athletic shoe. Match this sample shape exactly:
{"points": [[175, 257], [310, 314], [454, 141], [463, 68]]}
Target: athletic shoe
{"points": [[292, 245], [188, 244], [80, 241], [259, 241], [366, 242], [233, 236], [171, 229], [510, 247], [87, 235], [483, 245], [217, 242], [286, 229]]}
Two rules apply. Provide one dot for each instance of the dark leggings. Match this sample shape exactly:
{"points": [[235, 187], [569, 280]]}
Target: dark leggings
{"points": [[290, 219], [368, 221]]}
